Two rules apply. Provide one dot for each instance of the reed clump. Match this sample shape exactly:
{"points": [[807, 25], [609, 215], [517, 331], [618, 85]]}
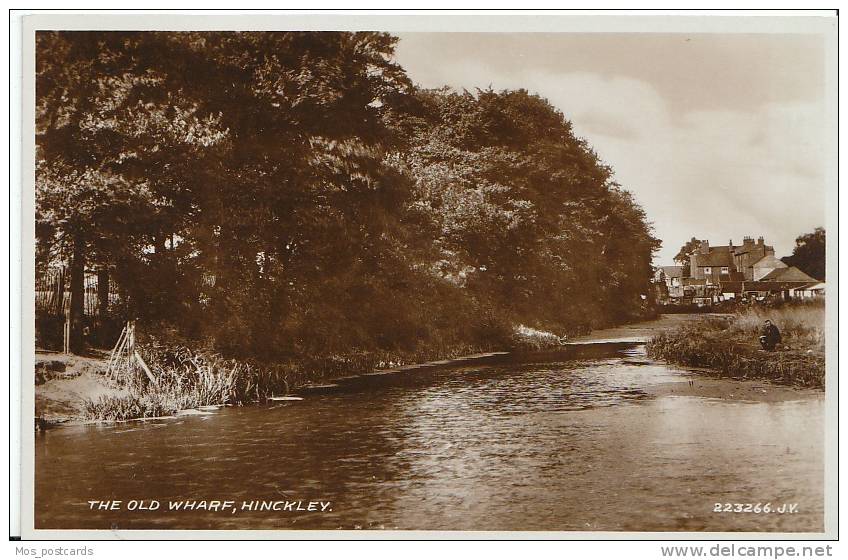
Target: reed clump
{"points": [[729, 345], [188, 379]]}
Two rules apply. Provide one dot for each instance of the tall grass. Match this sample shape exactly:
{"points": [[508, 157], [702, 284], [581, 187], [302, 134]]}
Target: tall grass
{"points": [[187, 379], [729, 345], [801, 325]]}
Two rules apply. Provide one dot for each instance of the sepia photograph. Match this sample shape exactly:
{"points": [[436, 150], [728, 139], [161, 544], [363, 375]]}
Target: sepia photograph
{"points": [[520, 275]]}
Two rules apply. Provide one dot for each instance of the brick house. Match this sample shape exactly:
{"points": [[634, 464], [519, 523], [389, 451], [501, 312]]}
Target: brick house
{"points": [[672, 279], [752, 260], [719, 272], [710, 263], [748, 254]]}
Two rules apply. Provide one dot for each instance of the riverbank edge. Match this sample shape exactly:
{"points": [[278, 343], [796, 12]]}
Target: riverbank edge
{"points": [[59, 406], [635, 333], [311, 388], [722, 357], [329, 383], [94, 372]]}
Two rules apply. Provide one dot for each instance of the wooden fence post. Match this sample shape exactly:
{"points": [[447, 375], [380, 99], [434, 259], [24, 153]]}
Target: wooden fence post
{"points": [[125, 353], [66, 335]]}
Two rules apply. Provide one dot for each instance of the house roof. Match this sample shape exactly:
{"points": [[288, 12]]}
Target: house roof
{"points": [[672, 271], [771, 286], [742, 249], [770, 261], [718, 256], [722, 255], [819, 286], [789, 274]]}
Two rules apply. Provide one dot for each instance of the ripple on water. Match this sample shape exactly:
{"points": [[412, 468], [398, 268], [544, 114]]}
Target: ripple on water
{"points": [[571, 445]]}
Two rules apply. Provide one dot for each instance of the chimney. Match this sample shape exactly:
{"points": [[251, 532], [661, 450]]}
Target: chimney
{"points": [[705, 247], [747, 241], [730, 244], [761, 241]]}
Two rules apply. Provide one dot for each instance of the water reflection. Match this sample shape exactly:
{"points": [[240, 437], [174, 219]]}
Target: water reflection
{"points": [[569, 445]]}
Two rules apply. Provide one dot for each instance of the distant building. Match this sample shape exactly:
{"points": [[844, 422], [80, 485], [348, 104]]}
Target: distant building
{"points": [[748, 254], [766, 266], [711, 262], [720, 272], [811, 291], [788, 274], [672, 279]]}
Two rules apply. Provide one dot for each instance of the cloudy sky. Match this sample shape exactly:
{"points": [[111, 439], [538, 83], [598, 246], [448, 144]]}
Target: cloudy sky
{"points": [[717, 136]]}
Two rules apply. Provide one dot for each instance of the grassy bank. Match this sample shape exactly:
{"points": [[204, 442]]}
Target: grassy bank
{"points": [[187, 379], [730, 347]]}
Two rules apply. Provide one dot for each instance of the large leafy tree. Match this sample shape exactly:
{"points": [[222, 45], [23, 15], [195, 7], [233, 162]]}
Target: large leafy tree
{"points": [[259, 154], [810, 253], [111, 150], [302, 198], [290, 193], [527, 218]]}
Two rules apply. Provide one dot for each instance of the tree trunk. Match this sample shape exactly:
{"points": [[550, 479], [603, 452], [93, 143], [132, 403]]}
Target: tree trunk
{"points": [[103, 293], [159, 243], [60, 293], [76, 318]]}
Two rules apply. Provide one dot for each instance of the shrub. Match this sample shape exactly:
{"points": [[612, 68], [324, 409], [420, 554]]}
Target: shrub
{"points": [[728, 345], [534, 339]]}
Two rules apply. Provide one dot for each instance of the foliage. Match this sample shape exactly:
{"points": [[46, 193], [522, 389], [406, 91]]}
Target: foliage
{"points": [[280, 196], [524, 215], [729, 345], [187, 379], [683, 255], [809, 254]]}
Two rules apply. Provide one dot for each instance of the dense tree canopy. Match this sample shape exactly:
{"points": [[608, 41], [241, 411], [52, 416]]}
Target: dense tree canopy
{"points": [[810, 253], [525, 214], [277, 194]]}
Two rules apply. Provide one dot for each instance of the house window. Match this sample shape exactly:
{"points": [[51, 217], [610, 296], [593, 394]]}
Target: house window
{"points": [[725, 270], [708, 270]]}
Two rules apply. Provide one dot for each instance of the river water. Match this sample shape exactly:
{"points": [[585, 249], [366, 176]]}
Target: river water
{"points": [[588, 443]]}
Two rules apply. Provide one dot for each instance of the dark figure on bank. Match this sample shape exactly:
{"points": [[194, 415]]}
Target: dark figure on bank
{"points": [[769, 336]]}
